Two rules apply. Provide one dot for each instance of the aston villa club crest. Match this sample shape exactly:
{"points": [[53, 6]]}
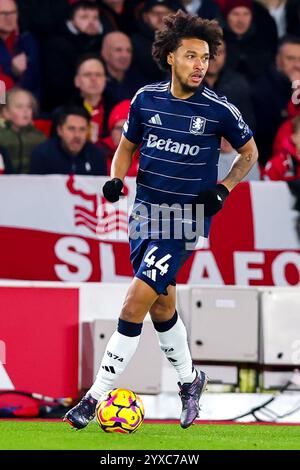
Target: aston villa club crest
{"points": [[197, 125]]}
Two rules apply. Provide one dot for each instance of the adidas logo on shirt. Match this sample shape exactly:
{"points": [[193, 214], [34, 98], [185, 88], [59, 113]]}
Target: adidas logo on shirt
{"points": [[155, 120], [151, 273]]}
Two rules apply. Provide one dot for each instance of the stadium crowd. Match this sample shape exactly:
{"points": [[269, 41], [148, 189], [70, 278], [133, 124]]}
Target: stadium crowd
{"points": [[70, 69]]}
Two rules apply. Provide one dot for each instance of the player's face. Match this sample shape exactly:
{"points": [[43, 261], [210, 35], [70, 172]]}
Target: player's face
{"points": [[73, 133], [90, 78], [189, 63]]}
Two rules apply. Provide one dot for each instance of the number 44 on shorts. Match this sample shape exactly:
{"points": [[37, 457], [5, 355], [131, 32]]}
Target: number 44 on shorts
{"points": [[161, 264]]}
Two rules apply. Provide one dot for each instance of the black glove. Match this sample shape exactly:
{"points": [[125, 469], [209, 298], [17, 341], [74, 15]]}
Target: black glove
{"points": [[112, 190], [213, 199]]}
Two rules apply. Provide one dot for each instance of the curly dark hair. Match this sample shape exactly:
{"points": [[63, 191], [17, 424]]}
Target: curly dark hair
{"points": [[181, 25]]}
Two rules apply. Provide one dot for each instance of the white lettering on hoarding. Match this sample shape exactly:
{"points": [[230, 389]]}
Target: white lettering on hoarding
{"points": [[243, 273], [73, 251], [280, 264]]}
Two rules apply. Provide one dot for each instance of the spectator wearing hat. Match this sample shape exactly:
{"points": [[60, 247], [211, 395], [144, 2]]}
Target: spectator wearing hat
{"points": [[83, 33], [251, 37], [19, 55], [272, 93], [123, 80], [116, 121], [151, 20], [69, 152]]}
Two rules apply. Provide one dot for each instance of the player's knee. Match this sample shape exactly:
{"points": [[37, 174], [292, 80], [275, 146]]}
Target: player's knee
{"points": [[127, 314], [161, 312], [131, 313]]}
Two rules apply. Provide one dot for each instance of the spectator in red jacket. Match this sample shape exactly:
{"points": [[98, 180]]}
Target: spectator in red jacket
{"points": [[285, 166], [286, 129], [117, 119]]}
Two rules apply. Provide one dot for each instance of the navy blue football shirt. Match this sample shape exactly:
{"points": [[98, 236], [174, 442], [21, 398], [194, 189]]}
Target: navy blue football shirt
{"points": [[180, 142]]}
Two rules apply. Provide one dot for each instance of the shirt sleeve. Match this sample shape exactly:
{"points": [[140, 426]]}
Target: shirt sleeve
{"points": [[133, 129], [233, 126]]}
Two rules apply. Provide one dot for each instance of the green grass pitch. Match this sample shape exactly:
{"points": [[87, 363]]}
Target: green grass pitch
{"points": [[25, 435]]}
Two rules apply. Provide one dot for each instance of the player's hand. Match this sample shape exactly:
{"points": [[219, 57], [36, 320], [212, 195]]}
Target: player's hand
{"points": [[213, 199], [112, 190]]}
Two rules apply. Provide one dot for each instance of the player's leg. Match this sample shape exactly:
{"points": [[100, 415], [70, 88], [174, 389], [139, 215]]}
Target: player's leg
{"points": [[172, 338], [119, 350], [172, 335], [124, 342]]}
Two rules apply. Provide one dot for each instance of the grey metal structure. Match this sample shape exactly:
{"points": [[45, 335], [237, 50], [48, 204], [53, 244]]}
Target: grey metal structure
{"points": [[224, 325]]}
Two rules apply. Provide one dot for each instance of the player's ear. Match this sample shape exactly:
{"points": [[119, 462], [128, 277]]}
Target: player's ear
{"points": [[170, 58]]}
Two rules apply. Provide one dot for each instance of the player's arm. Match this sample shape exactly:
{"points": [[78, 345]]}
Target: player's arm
{"points": [[236, 131], [131, 138], [122, 158], [243, 163], [112, 190], [214, 198]]}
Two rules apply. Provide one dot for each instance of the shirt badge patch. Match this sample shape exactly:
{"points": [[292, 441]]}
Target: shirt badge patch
{"points": [[197, 125], [243, 126]]}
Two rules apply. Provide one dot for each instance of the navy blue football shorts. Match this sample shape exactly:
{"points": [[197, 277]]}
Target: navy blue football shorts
{"points": [[157, 262]]}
